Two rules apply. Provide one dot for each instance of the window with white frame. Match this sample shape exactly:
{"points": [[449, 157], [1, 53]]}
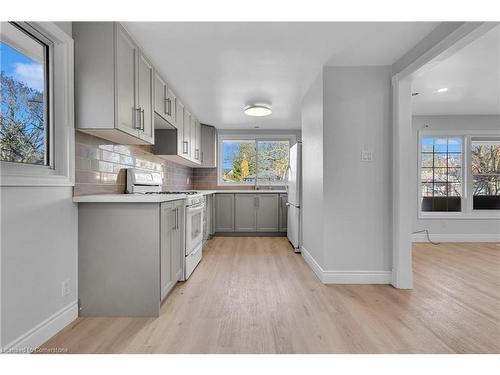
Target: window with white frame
{"points": [[36, 126], [441, 173], [252, 160], [459, 174], [485, 173], [24, 105]]}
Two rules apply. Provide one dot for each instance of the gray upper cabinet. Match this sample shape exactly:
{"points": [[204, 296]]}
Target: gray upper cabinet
{"points": [[145, 95], [161, 105], [245, 213], [192, 138], [283, 215], [113, 84], [186, 147], [164, 101], [224, 212], [171, 107], [267, 212], [197, 141], [178, 144], [179, 120], [208, 155], [126, 54]]}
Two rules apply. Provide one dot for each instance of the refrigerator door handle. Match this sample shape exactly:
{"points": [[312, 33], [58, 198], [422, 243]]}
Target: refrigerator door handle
{"points": [[286, 177]]}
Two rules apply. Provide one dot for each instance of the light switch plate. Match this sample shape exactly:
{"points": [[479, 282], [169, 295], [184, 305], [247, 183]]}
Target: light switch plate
{"points": [[65, 288], [366, 156]]}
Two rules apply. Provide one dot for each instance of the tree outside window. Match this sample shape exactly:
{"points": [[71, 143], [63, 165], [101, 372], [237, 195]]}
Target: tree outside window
{"points": [[23, 104], [485, 160], [254, 161]]}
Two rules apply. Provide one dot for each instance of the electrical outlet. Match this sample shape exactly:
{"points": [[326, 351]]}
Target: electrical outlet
{"points": [[65, 288], [366, 156]]}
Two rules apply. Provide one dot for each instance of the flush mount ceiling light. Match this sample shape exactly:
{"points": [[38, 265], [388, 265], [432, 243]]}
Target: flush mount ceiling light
{"points": [[443, 89], [257, 110]]}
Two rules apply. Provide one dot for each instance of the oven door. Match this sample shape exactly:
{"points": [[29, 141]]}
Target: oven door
{"points": [[194, 227]]}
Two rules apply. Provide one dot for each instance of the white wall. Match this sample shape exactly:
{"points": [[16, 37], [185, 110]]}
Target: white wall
{"points": [[38, 251], [357, 195], [347, 203], [312, 170], [467, 230]]}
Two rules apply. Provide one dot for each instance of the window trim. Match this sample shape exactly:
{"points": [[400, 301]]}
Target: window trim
{"points": [[467, 211], [237, 136], [60, 171], [48, 97]]}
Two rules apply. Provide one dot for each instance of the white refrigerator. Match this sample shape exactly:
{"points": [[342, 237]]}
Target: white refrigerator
{"points": [[294, 201]]}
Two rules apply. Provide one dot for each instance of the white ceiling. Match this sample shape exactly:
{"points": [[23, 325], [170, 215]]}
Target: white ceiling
{"points": [[472, 76], [218, 68]]}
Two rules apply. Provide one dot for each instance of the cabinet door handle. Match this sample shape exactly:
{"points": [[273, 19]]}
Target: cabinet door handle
{"points": [[142, 119], [168, 106], [202, 156], [196, 154], [185, 146], [175, 219], [137, 112]]}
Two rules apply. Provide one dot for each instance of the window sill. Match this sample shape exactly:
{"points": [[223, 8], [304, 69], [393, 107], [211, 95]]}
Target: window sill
{"points": [[495, 215], [14, 174], [251, 185]]}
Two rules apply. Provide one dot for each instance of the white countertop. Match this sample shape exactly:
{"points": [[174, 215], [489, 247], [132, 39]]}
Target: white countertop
{"points": [[251, 191], [128, 198], [157, 198]]}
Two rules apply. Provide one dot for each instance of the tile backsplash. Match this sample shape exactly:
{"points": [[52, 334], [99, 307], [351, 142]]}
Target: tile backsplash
{"points": [[100, 166], [206, 179]]}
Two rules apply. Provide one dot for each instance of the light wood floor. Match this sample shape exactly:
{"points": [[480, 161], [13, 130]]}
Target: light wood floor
{"points": [[254, 295]]}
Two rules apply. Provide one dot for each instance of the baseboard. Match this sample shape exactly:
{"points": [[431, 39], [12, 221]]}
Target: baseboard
{"points": [[456, 237], [312, 263], [36, 336], [346, 277], [357, 277], [249, 234]]}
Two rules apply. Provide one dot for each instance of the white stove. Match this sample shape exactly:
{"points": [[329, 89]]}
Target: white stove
{"points": [[145, 182], [192, 197]]}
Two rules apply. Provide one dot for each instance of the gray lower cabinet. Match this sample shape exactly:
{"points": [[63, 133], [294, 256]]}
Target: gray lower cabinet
{"points": [[245, 213], [171, 266], [208, 217], [283, 215], [224, 212], [256, 212], [130, 255], [178, 241], [267, 212]]}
